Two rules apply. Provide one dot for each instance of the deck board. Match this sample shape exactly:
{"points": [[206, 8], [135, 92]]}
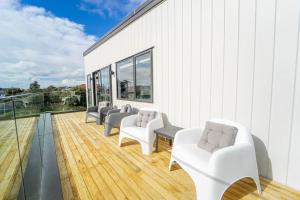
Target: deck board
{"points": [[10, 174], [93, 166]]}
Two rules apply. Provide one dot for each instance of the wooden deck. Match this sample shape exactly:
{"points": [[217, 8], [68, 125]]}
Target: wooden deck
{"points": [[93, 166], [10, 173]]}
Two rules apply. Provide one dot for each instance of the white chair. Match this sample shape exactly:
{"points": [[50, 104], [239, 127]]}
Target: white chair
{"points": [[213, 173], [144, 135]]}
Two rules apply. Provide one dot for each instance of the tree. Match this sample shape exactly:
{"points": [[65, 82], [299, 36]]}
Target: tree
{"points": [[13, 91], [34, 87], [51, 88], [72, 101]]}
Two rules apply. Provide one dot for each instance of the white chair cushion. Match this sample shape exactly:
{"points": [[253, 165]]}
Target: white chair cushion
{"points": [[192, 155], [136, 132]]}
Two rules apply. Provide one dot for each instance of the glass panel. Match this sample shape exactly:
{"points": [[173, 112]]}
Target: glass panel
{"points": [[125, 79], [65, 101], [143, 77], [105, 84], [10, 172], [89, 91]]}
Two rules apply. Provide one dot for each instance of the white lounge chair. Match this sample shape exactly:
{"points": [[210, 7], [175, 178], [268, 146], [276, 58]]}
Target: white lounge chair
{"points": [[139, 128], [214, 172]]}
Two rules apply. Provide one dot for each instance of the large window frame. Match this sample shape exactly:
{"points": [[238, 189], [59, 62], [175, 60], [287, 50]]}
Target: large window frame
{"points": [[133, 57]]}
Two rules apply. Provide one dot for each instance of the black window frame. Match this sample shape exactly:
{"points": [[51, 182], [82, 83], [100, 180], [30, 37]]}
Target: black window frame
{"points": [[95, 98], [133, 57], [89, 86]]}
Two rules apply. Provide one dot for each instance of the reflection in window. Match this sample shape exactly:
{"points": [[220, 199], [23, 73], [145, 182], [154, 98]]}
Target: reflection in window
{"points": [[143, 77], [134, 77], [105, 84], [89, 90], [125, 79]]}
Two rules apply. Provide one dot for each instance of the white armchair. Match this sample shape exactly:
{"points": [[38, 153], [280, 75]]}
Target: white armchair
{"points": [[213, 173], [144, 135]]}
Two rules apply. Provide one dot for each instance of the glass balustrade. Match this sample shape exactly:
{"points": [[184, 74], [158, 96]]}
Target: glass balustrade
{"points": [[21, 117]]}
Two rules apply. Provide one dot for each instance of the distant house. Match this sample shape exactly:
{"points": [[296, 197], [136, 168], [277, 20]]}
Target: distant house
{"points": [[82, 86]]}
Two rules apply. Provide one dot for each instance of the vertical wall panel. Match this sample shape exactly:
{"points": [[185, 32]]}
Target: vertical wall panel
{"points": [[186, 66], [217, 59], [195, 62], [294, 161], [178, 61], [263, 76], [165, 58], [171, 52], [205, 61], [283, 85], [246, 60], [231, 36]]}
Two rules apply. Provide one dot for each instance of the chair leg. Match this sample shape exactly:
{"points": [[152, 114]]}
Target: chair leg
{"points": [[257, 182], [107, 129], [120, 139], [171, 163], [98, 122], [86, 118], [146, 148]]}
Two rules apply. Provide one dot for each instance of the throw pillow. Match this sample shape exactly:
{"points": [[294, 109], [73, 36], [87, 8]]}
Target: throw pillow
{"points": [[217, 136], [144, 116]]}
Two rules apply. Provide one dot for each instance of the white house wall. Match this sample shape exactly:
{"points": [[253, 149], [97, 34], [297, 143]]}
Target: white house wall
{"points": [[236, 59]]}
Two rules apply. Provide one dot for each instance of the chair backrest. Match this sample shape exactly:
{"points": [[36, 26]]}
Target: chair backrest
{"points": [[103, 104], [243, 134], [157, 113]]}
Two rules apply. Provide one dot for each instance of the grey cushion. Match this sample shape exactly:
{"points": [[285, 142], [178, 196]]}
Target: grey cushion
{"points": [[144, 116], [102, 104], [123, 109], [129, 108], [216, 136]]}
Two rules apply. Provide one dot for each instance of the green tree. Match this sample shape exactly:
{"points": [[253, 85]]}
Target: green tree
{"points": [[51, 88], [34, 87], [13, 91]]}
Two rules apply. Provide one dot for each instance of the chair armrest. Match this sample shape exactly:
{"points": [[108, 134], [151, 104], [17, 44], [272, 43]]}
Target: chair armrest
{"points": [[128, 121], [151, 126], [232, 162], [115, 119], [187, 136], [105, 109], [92, 109], [155, 124], [113, 111]]}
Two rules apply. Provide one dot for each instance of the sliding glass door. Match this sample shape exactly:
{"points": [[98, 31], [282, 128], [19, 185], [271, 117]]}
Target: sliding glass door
{"points": [[105, 82], [102, 85], [89, 90]]}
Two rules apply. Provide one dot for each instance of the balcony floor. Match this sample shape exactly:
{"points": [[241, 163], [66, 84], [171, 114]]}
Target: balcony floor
{"points": [[93, 166], [10, 173]]}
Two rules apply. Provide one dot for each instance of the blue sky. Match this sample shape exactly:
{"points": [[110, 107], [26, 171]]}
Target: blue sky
{"points": [[97, 16], [43, 40]]}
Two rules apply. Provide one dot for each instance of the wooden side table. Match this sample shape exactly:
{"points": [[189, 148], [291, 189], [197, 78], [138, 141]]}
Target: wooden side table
{"points": [[167, 132]]}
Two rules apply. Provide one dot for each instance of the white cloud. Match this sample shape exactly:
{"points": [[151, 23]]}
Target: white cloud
{"points": [[110, 8], [36, 45]]}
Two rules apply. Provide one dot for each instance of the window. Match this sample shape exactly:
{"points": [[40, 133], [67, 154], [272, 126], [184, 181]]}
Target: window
{"points": [[89, 90], [134, 77], [102, 85], [105, 86]]}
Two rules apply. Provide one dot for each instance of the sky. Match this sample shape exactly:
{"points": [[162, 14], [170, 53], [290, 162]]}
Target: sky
{"points": [[43, 40]]}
